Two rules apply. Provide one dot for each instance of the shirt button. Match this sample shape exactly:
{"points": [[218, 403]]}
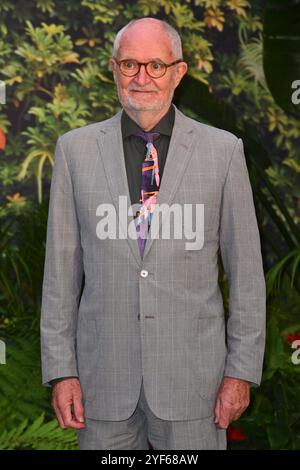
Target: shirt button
{"points": [[144, 273]]}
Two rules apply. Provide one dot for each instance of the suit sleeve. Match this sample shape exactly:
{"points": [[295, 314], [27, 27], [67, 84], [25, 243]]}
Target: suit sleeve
{"points": [[242, 261], [63, 275], [60, 379]]}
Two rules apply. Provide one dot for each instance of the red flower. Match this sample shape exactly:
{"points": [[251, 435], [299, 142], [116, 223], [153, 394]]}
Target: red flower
{"points": [[235, 434], [2, 140], [293, 337]]}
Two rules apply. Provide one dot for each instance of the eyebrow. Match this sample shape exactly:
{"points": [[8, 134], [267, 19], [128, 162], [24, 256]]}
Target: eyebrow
{"points": [[149, 60]]}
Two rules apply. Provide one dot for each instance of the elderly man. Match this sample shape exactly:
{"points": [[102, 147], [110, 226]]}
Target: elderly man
{"points": [[133, 327]]}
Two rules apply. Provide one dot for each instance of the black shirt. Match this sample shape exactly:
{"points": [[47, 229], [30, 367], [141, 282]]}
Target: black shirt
{"points": [[135, 148]]}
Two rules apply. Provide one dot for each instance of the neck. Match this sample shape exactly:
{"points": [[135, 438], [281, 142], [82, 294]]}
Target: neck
{"points": [[146, 119]]}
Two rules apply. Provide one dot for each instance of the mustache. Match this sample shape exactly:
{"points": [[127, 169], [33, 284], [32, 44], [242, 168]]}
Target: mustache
{"points": [[139, 89]]}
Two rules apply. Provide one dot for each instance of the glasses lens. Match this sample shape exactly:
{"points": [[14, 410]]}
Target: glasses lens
{"points": [[156, 69], [129, 67]]}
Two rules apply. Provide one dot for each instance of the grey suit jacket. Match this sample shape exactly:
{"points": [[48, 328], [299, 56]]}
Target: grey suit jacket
{"points": [[160, 317]]}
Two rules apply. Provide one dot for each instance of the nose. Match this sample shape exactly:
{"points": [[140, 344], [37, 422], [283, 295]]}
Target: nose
{"points": [[142, 78]]}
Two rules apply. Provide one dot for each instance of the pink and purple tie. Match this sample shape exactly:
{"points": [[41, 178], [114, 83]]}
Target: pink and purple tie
{"points": [[149, 189]]}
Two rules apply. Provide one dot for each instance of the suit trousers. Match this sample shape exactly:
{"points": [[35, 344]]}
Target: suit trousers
{"points": [[143, 427]]}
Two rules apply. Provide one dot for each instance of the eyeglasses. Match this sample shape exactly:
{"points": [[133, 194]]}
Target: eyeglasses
{"points": [[155, 69]]}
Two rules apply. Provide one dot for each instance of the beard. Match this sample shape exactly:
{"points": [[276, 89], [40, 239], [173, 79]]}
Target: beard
{"points": [[156, 104]]}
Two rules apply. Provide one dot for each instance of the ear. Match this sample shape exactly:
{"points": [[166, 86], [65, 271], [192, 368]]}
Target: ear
{"points": [[181, 70], [113, 68], [112, 64]]}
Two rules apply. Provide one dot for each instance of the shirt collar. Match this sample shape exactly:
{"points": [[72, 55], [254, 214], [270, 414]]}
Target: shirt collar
{"points": [[164, 126]]}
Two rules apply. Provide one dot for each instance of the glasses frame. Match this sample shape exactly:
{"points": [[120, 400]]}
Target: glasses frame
{"points": [[119, 62]]}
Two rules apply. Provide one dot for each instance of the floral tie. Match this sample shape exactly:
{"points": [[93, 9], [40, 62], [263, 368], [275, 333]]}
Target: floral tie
{"points": [[149, 189]]}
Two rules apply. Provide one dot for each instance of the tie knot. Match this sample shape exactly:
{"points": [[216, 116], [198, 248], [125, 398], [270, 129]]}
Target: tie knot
{"points": [[147, 136]]}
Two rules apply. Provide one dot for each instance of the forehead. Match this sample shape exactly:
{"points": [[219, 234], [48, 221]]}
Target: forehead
{"points": [[145, 45]]}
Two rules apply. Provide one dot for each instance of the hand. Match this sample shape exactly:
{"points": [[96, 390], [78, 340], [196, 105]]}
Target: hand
{"points": [[67, 397], [232, 400]]}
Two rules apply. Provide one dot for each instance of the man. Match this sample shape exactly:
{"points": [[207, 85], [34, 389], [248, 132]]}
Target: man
{"points": [[133, 329]]}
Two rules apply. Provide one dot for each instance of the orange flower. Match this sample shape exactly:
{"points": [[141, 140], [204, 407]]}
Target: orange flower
{"points": [[214, 19], [16, 200], [2, 140], [238, 6], [235, 434]]}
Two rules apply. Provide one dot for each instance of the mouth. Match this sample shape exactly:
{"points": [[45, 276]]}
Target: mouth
{"points": [[142, 91]]}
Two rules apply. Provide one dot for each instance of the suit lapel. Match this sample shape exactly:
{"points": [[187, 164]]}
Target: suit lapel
{"points": [[112, 153]]}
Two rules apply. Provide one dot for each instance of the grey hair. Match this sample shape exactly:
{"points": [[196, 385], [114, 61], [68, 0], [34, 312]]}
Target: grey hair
{"points": [[172, 33]]}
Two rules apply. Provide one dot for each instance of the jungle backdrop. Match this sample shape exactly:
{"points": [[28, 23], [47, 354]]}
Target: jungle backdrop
{"points": [[244, 68]]}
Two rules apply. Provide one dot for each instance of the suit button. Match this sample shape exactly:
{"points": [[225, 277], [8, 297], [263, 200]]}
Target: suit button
{"points": [[144, 273]]}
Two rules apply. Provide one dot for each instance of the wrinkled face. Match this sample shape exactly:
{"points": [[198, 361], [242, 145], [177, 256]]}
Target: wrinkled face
{"points": [[145, 43]]}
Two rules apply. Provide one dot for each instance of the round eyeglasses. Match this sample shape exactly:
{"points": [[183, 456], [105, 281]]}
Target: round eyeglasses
{"points": [[155, 69]]}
